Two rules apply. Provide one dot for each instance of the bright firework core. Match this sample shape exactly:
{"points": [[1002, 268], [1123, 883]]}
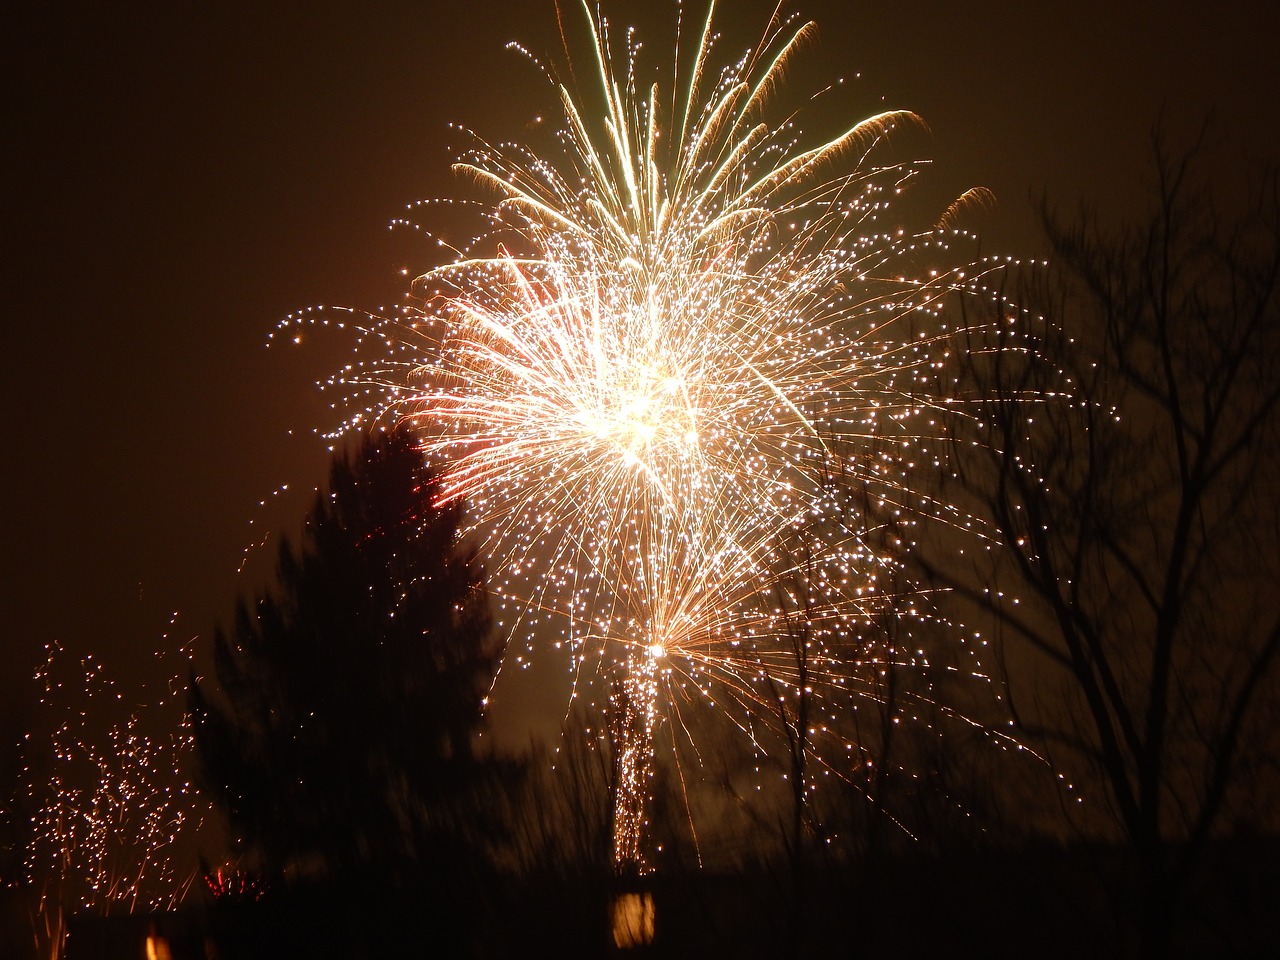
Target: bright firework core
{"points": [[690, 337]]}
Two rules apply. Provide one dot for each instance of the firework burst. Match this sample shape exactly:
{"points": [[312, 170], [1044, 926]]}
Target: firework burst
{"points": [[680, 339]]}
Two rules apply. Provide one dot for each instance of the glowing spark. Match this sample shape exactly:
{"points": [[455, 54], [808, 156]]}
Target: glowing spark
{"points": [[112, 802]]}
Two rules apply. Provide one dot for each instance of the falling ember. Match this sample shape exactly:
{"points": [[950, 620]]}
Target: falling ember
{"points": [[685, 323], [111, 807]]}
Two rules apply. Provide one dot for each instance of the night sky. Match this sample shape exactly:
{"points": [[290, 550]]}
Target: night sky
{"points": [[180, 176]]}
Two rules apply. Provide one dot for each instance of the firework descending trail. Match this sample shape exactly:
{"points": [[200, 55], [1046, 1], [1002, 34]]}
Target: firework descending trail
{"points": [[113, 809], [672, 334]]}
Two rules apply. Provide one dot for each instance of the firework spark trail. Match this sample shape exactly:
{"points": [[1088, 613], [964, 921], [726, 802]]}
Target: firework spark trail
{"points": [[112, 801], [685, 321], [634, 710]]}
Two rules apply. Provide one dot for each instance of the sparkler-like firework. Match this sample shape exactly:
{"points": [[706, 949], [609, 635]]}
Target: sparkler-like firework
{"points": [[681, 339], [112, 801]]}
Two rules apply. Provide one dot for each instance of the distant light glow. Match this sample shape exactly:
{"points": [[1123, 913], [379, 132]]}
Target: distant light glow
{"points": [[633, 920]]}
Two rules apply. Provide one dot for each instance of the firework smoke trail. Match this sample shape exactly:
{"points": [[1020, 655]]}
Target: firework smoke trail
{"points": [[644, 371]]}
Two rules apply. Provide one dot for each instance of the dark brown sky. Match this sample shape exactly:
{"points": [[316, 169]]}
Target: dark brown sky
{"points": [[179, 176]]}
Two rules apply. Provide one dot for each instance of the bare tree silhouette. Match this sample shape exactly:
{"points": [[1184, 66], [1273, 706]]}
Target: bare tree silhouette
{"points": [[1118, 440]]}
